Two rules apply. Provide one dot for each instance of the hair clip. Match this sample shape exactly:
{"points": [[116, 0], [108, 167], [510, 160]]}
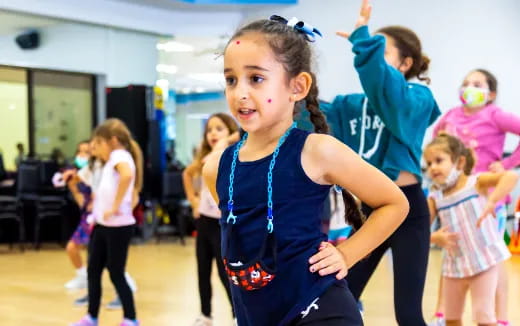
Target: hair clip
{"points": [[308, 30]]}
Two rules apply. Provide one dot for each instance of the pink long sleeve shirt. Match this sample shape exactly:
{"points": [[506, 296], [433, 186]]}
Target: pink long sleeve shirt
{"points": [[483, 131]]}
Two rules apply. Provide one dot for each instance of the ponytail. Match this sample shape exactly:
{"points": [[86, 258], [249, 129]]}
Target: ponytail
{"points": [[137, 155], [353, 214], [313, 106]]}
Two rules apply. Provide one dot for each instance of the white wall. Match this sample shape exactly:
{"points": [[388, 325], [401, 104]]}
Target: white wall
{"points": [[457, 35], [124, 57]]}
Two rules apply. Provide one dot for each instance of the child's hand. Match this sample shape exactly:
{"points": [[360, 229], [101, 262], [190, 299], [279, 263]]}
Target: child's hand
{"points": [[329, 260], [445, 239], [109, 213], [496, 167], [195, 203], [488, 209], [364, 17]]}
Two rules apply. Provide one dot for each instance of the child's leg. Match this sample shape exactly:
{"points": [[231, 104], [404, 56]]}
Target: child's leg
{"points": [[502, 292], [439, 308], [483, 289], [410, 249], [204, 263], [118, 241], [336, 307], [454, 293], [96, 262], [74, 255]]}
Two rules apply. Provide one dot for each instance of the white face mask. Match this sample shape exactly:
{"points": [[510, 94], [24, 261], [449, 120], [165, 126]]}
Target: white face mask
{"points": [[451, 180]]}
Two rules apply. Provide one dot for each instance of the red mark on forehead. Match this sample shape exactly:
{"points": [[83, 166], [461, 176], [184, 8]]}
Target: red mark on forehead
{"points": [[269, 101], [237, 42]]}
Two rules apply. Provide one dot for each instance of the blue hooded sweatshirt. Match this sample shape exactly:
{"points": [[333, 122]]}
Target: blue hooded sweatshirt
{"points": [[396, 113]]}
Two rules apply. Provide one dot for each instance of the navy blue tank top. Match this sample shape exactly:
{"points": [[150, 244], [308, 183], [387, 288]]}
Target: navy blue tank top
{"points": [[298, 205]]}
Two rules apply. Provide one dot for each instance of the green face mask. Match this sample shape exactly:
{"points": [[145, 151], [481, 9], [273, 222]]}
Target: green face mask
{"points": [[80, 162]]}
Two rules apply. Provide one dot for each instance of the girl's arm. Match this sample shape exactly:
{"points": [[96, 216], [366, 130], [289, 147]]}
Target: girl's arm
{"points": [[402, 106], [125, 179], [503, 183], [328, 161], [187, 180], [508, 122], [72, 184], [210, 173]]}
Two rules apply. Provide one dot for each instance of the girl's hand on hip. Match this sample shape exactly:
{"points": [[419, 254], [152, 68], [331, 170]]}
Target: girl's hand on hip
{"points": [[329, 260]]}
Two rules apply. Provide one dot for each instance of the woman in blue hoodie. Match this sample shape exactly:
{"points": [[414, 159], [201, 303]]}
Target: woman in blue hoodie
{"points": [[386, 126]]}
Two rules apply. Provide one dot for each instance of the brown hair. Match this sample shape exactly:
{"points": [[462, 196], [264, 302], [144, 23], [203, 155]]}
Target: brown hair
{"points": [[409, 46], [205, 147], [116, 128], [454, 147], [292, 50]]}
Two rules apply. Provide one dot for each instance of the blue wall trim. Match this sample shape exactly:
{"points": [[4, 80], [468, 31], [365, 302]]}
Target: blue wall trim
{"points": [[197, 97], [243, 2]]}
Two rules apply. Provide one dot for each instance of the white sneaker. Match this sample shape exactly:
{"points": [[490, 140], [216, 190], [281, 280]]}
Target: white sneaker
{"points": [[235, 322], [77, 283], [203, 321], [131, 282], [438, 320]]}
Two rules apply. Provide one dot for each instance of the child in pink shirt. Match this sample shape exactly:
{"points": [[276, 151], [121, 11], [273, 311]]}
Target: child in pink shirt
{"points": [[482, 126]]}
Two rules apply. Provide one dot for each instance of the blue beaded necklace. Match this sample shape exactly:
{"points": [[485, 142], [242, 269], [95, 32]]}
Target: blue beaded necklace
{"points": [[233, 218]]}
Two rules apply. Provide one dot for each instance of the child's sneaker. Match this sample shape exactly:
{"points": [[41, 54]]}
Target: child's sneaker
{"points": [[81, 302], [114, 304], [77, 283], [203, 321], [128, 322], [438, 320], [86, 321], [503, 323]]}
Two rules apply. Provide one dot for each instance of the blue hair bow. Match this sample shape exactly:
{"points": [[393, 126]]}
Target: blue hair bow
{"points": [[300, 26]]}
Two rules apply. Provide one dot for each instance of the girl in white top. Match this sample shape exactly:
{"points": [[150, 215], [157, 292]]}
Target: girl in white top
{"points": [[220, 131], [112, 214]]}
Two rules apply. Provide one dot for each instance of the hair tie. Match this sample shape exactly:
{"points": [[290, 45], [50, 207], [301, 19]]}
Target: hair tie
{"points": [[307, 30]]}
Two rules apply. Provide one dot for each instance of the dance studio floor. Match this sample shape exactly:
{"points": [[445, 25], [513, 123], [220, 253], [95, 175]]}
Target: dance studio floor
{"points": [[32, 292]]}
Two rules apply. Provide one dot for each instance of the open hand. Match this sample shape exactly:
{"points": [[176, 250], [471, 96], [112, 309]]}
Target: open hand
{"points": [[488, 209], [364, 17], [445, 239], [329, 260]]}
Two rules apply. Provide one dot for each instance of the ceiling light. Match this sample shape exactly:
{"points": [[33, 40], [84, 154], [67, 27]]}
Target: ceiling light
{"points": [[167, 69], [173, 46]]}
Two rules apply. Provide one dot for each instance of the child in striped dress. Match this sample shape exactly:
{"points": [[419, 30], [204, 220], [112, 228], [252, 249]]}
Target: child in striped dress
{"points": [[458, 198]]}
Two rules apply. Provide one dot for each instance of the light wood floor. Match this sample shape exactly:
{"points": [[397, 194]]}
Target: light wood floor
{"points": [[32, 292]]}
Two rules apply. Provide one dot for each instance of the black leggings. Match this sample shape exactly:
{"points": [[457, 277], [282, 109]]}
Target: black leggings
{"points": [[410, 245], [336, 307], [208, 248], [108, 247]]}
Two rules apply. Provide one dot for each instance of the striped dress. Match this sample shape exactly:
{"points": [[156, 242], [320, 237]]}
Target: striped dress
{"points": [[477, 249]]}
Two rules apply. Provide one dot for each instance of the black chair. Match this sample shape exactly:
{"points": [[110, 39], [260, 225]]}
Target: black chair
{"points": [[48, 207], [173, 200], [11, 210], [30, 189]]}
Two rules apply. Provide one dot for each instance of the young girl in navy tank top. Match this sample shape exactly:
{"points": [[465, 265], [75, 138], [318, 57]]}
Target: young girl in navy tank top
{"points": [[271, 187]]}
